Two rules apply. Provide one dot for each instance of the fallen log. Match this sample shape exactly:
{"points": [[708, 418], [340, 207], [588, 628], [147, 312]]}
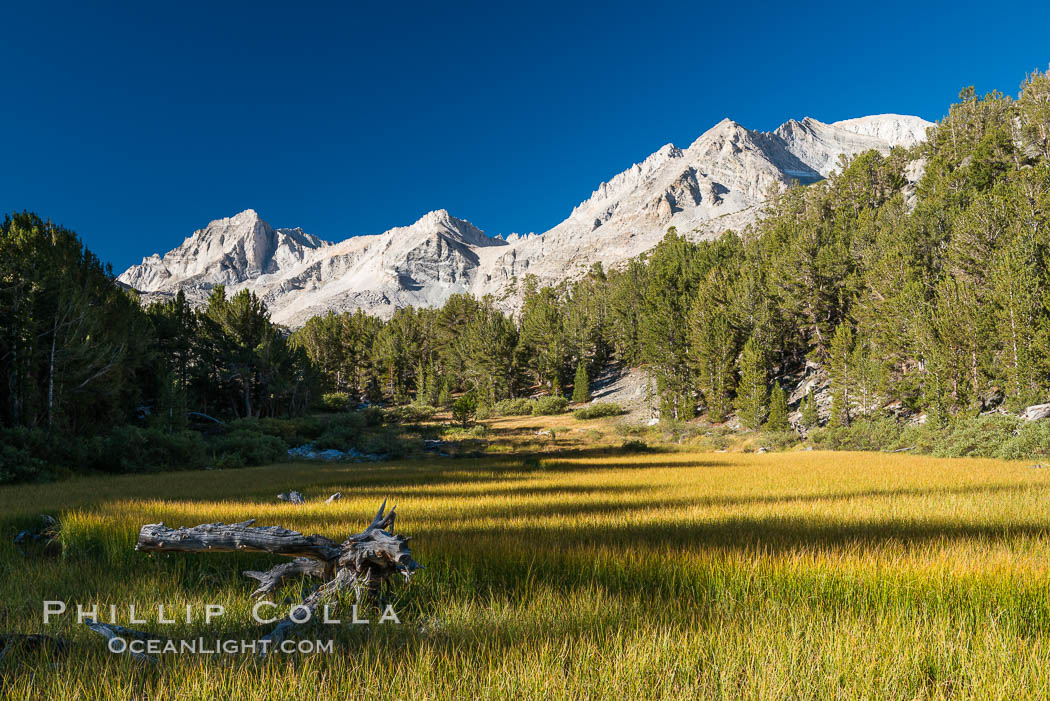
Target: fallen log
{"points": [[293, 497], [364, 562], [114, 632], [236, 537]]}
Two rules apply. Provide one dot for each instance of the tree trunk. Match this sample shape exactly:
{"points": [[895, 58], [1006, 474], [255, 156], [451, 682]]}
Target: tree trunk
{"points": [[51, 376], [247, 397]]}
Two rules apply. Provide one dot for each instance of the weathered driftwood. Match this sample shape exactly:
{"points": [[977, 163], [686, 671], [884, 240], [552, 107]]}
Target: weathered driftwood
{"points": [[110, 631], [364, 562], [272, 578], [236, 537], [296, 497], [329, 591]]}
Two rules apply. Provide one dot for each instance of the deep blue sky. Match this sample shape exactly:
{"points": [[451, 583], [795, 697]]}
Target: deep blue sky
{"points": [[137, 123]]}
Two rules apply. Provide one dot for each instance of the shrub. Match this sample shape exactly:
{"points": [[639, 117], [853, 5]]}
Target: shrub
{"points": [[32, 440], [247, 448], [780, 440], [372, 416], [343, 433], [634, 446], [386, 442], [335, 401], [295, 431], [672, 431], [922, 438], [719, 442], [484, 411], [513, 407], [411, 413], [549, 406], [464, 408], [291, 431], [598, 410], [134, 449], [17, 465], [983, 435], [879, 432], [1032, 441]]}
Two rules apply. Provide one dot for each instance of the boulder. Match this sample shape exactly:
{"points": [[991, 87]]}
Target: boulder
{"points": [[1036, 411]]}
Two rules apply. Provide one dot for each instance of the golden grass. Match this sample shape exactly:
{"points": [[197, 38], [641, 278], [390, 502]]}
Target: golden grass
{"points": [[663, 575]]}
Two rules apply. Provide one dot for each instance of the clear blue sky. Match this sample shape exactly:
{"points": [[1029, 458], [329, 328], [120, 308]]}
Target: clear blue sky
{"points": [[137, 123]]}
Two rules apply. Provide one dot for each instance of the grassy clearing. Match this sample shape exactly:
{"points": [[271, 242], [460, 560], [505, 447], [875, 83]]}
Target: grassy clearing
{"points": [[582, 574]]}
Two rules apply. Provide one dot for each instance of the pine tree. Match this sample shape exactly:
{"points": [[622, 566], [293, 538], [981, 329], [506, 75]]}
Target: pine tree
{"points": [[464, 409], [581, 385], [433, 390], [778, 410], [751, 393], [444, 396], [543, 348], [809, 417], [422, 389], [713, 349], [673, 275], [841, 366], [1034, 108]]}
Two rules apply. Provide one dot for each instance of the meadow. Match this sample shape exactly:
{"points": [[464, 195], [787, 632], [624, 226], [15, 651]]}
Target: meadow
{"points": [[583, 572]]}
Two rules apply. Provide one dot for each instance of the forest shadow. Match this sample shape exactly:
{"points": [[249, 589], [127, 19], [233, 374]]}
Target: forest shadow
{"points": [[772, 533]]}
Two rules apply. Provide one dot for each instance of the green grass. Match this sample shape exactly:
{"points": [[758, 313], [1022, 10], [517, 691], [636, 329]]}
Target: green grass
{"points": [[585, 575]]}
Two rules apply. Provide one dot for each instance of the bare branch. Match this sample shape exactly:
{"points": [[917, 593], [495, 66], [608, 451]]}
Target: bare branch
{"points": [[344, 581], [272, 578]]}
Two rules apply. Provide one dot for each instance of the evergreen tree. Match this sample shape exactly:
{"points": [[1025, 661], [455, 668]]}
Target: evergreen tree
{"points": [[778, 410], [673, 275], [71, 342], [809, 417], [713, 349], [841, 366], [543, 348], [581, 385], [464, 409], [751, 392], [444, 396]]}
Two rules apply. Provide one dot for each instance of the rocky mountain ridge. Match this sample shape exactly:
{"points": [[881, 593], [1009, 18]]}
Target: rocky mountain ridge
{"points": [[716, 183]]}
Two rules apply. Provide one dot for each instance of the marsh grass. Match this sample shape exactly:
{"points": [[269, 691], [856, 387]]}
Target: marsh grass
{"points": [[581, 574]]}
